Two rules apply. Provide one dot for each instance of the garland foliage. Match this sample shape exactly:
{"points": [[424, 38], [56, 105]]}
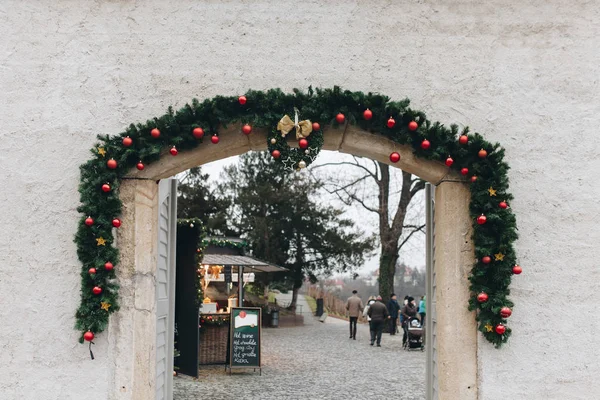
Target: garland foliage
{"points": [[214, 320], [225, 243], [264, 109], [199, 231]]}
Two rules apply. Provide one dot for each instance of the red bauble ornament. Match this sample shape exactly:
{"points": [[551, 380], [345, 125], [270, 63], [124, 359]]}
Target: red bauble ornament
{"points": [[482, 153], [198, 133], [108, 266], [463, 139], [464, 171], [246, 129], [391, 122], [316, 126], [242, 100], [140, 166], [473, 178], [155, 133], [395, 157], [214, 139], [482, 297], [340, 118], [505, 312], [112, 164], [503, 205], [173, 151], [425, 144], [89, 336], [368, 114], [97, 290], [116, 222], [412, 126], [482, 219], [303, 143], [89, 221], [449, 161], [276, 153], [92, 271], [500, 329], [486, 259], [106, 188], [517, 270], [127, 141]]}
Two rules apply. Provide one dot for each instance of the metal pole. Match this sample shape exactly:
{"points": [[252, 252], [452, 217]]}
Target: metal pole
{"points": [[240, 286], [429, 290]]}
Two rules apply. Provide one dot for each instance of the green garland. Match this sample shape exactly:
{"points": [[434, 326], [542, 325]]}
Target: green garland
{"points": [[224, 243], [214, 320], [264, 109], [295, 159], [200, 232]]}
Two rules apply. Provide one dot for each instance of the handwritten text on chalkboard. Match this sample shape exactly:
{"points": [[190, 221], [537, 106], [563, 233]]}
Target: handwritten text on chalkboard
{"points": [[245, 348]]}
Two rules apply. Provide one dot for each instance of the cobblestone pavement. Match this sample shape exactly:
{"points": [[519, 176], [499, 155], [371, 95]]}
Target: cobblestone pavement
{"points": [[316, 361]]}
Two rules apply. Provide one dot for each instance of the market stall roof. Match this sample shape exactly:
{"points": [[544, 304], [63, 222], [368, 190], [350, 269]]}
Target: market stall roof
{"points": [[250, 264]]}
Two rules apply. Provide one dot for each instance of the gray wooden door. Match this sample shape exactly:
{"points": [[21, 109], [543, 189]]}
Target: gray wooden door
{"points": [[430, 319], [165, 287]]}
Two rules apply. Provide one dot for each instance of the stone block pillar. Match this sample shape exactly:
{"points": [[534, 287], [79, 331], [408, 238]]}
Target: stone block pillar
{"points": [[132, 330], [456, 326]]}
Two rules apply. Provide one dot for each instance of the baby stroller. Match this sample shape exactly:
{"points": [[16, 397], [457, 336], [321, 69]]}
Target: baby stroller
{"points": [[415, 333]]}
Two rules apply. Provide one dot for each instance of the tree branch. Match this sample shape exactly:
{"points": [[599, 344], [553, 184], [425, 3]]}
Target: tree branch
{"points": [[418, 229], [419, 185], [361, 202], [403, 203], [384, 195], [356, 164], [348, 185]]}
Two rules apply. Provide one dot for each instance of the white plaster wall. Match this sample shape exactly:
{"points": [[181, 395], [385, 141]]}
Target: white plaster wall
{"points": [[523, 74]]}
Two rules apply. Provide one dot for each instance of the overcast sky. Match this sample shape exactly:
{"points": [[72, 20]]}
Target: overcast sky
{"points": [[413, 252]]}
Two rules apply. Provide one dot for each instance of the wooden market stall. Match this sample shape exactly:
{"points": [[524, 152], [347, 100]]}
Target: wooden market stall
{"points": [[222, 268], [219, 270]]}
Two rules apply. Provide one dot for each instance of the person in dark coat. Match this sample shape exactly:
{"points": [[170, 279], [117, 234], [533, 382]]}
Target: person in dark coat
{"points": [[379, 315], [408, 311], [393, 309]]}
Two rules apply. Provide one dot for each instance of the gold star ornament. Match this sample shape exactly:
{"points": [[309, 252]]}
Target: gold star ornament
{"points": [[105, 305], [489, 328], [100, 241], [499, 257], [101, 151], [492, 191]]}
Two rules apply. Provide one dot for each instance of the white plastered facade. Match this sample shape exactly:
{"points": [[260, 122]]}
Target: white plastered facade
{"points": [[525, 75]]}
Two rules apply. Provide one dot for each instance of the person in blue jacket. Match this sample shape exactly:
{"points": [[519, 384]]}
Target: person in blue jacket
{"points": [[422, 310], [393, 309]]}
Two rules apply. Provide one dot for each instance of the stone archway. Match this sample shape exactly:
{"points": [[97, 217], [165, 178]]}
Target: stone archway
{"points": [[133, 349]]}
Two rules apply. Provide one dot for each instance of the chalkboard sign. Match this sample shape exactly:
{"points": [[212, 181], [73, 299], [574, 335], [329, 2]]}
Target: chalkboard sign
{"points": [[244, 351]]}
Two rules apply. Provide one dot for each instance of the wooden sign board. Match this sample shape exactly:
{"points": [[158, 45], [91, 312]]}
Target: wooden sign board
{"points": [[245, 336]]}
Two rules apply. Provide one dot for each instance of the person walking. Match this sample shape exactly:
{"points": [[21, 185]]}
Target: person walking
{"points": [[354, 306], [393, 309], [422, 310], [408, 311], [366, 310], [403, 304], [378, 313]]}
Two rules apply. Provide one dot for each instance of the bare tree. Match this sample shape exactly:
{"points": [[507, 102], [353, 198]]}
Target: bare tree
{"points": [[394, 230]]}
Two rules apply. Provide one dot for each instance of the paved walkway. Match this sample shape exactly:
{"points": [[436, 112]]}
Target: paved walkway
{"points": [[314, 362]]}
